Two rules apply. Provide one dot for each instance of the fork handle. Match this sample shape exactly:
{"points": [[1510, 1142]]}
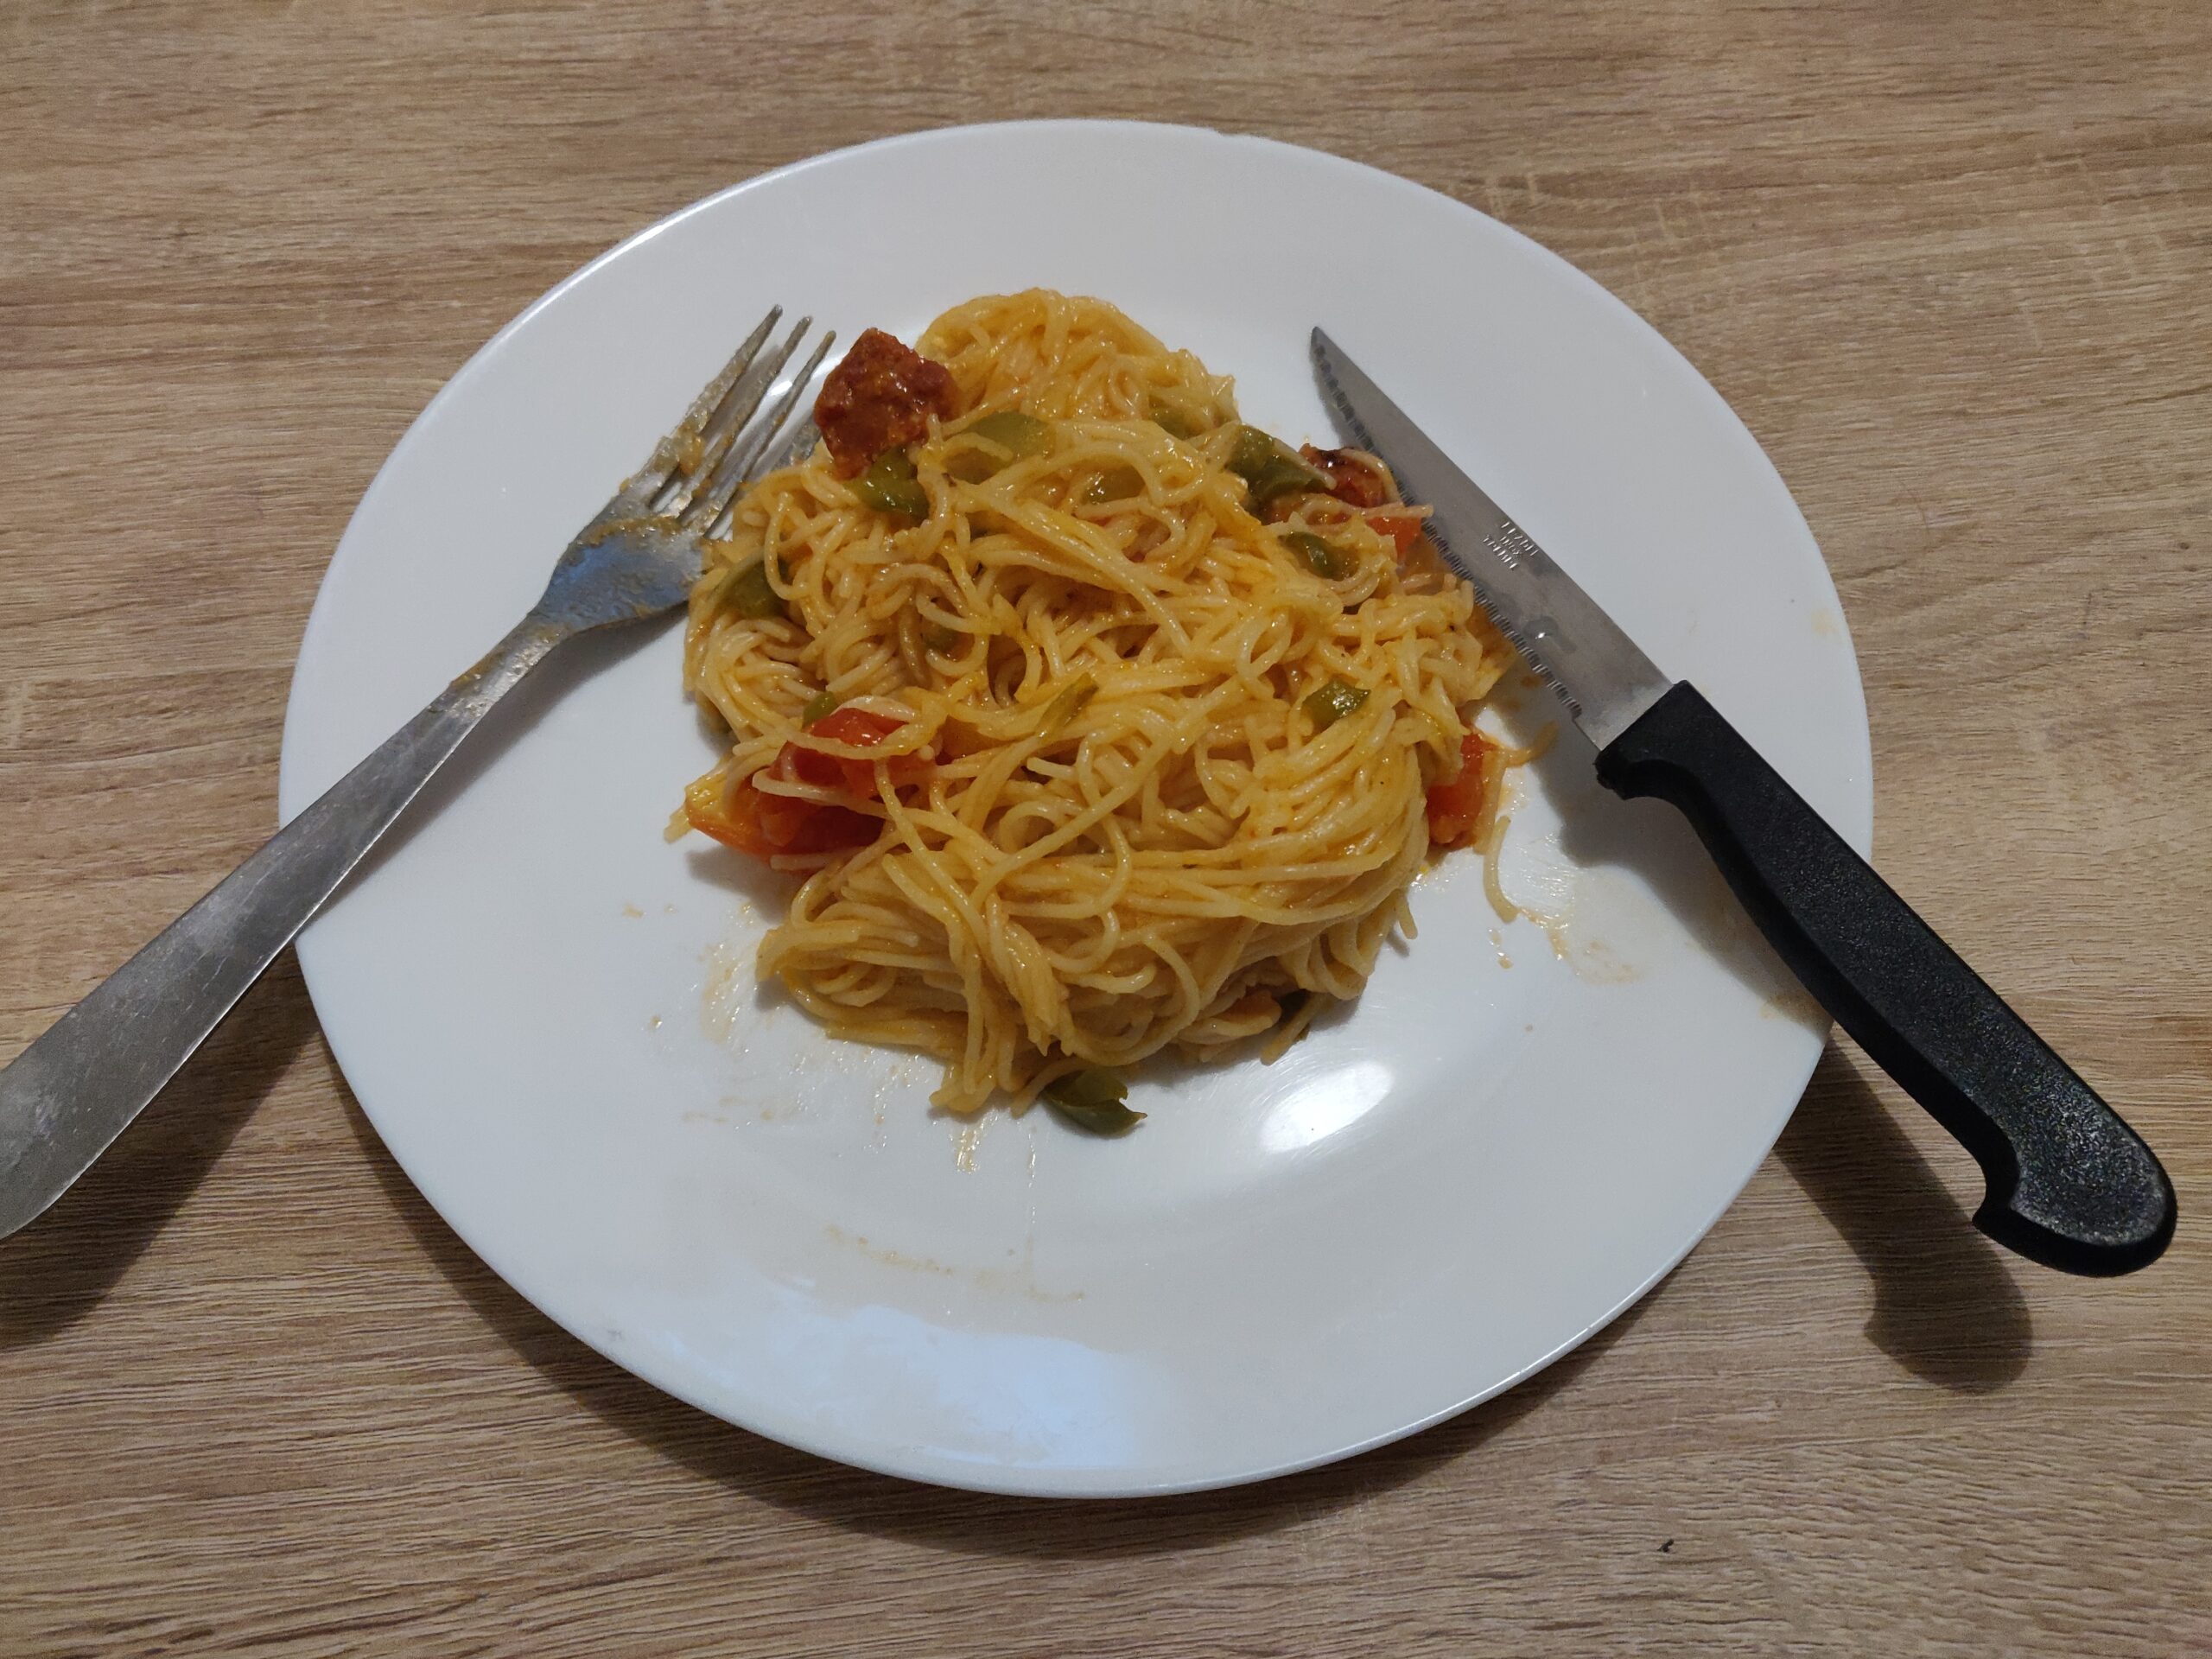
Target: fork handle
{"points": [[65, 1098]]}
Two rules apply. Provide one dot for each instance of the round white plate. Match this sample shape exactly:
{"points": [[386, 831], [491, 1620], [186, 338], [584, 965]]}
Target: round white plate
{"points": [[550, 1013]]}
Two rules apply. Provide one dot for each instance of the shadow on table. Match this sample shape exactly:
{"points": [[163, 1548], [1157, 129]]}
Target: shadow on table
{"points": [[56, 1270], [973, 1522], [1946, 1307]]}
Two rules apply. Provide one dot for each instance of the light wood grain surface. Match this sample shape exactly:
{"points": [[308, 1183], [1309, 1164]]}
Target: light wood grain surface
{"points": [[1954, 267]]}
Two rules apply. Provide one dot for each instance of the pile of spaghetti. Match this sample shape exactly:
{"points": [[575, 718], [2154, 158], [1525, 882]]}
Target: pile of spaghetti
{"points": [[1097, 720]]}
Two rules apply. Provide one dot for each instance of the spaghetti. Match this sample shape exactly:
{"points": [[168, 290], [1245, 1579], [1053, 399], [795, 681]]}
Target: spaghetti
{"points": [[1096, 721]]}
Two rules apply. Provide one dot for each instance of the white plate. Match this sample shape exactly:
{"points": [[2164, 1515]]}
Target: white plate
{"points": [[549, 1013]]}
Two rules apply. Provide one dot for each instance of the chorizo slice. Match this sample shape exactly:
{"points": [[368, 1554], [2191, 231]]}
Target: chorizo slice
{"points": [[881, 397]]}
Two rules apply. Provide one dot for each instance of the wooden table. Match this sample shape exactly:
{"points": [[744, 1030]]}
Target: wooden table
{"points": [[1952, 264]]}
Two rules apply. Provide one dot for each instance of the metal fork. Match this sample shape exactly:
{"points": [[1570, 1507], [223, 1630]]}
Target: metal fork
{"points": [[65, 1098]]}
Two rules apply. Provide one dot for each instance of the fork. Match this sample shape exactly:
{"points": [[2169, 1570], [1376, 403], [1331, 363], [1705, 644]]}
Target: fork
{"points": [[65, 1099]]}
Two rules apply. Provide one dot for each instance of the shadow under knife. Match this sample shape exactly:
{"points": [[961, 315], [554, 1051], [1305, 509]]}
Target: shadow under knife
{"points": [[1946, 1307]]}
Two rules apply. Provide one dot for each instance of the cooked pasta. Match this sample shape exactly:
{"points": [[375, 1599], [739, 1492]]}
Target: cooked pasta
{"points": [[1096, 721]]}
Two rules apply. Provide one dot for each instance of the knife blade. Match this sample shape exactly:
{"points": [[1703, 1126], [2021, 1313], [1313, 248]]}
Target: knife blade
{"points": [[2067, 1183], [1600, 673]]}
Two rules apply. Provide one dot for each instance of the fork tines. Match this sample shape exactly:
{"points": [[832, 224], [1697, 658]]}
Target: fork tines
{"points": [[697, 469]]}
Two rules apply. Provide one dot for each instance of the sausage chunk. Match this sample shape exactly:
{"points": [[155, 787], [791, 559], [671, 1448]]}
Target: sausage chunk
{"points": [[880, 397]]}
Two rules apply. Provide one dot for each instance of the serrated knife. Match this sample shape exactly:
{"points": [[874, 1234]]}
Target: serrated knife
{"points": [[2068, 1184]]}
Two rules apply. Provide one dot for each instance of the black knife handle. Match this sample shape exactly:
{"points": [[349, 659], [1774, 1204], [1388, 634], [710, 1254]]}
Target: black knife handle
{"points": [[2069, 1184]]}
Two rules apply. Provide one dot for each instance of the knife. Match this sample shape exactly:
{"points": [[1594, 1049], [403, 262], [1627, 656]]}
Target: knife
{"points": [[2067, 1183]]}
